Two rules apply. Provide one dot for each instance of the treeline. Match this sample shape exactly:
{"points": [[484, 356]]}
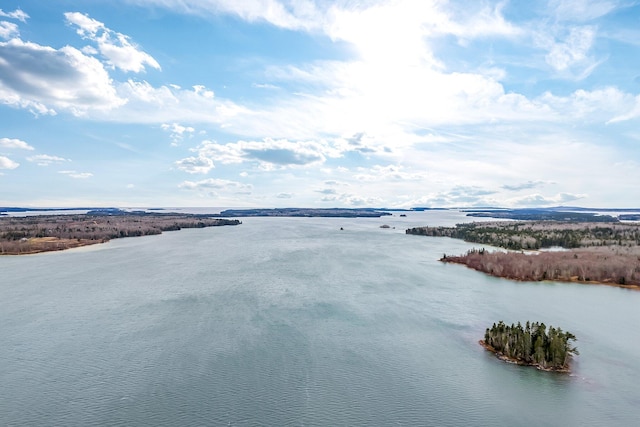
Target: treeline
{"points": [[542, 215], [603, 266], [52, 232], [30, 246], [536, 235], [532, 344], [100, 227]]}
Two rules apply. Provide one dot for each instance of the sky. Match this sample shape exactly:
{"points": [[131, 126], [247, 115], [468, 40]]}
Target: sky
{"points": [[315, 103]]}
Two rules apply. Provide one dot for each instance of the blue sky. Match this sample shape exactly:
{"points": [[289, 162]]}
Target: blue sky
{"points": [[385, 103]]}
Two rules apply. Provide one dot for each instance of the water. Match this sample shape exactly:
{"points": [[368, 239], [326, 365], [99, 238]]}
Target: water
{"points": [[292, 322]]}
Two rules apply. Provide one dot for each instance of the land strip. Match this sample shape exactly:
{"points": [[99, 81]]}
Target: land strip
{"points": [[604, 253], [43, 233], [307, 212]]}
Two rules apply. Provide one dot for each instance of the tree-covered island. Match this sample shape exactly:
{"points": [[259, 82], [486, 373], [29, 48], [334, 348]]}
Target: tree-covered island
{"points": [[532, 345]]}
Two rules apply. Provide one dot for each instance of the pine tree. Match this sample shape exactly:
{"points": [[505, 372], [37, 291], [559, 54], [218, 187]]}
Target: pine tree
{"points": [[532, 344]]}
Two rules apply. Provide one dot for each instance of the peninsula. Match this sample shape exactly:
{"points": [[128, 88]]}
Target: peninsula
{"points": [[531, 345], [584, 252], [44, 233]]}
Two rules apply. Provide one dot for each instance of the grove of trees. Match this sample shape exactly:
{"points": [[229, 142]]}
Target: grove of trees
{"points": [[539, 234], [605, 265], [39, 233], [532, 344]]}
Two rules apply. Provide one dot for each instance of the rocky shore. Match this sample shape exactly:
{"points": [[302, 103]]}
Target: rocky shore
{"points": [[515, 361]]}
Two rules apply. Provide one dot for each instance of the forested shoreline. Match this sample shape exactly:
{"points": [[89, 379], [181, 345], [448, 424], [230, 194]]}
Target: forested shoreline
{"points": [[602, 266], [532, 235], [43, 233], [604, 253]]}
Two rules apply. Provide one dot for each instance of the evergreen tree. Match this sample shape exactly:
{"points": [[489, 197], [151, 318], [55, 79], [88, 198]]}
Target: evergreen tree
{"points": [[532, 344]]}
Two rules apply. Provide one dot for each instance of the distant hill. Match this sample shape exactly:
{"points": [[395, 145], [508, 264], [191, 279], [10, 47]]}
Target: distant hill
{"points": [[306, 212]]}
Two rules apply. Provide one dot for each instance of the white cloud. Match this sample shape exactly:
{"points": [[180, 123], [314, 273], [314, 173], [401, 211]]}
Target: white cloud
{"points": [[425, 126], [602, 105], [195, 165], [265, 86], [290, 14], [633, 112], [46, 160], [327, 191], [15, 143], [8, 30], [581, 10], [387, 173], [395, 85], [573, 49], [7, 163], [523, 186], [458, 196], [388, 96], [540, 200], [393, 105], [390, 101], [360, 142], [177, 132], [268, 153], [473, 20], [76, 175], [41, 77], [468, 197], [217, 184], [171, 104], [16, 14], [116, 47], [387, 24], [352, 199], [284, 195], [82, 86]]}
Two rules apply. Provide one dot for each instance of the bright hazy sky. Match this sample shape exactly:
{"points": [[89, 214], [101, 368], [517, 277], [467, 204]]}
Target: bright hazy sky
{"points": [[312, 103]]}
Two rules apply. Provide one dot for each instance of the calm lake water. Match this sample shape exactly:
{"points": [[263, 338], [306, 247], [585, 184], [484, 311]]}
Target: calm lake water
{"points": [[292, 322]]}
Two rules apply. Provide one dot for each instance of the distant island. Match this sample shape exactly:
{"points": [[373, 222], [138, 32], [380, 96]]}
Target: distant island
{"points": [[44, 233], [605, 253], [542, 214], [307, 212], [560, 213], [532, 345]]}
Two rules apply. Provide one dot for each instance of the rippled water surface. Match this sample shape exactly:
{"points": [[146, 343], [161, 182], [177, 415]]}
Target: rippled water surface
{"points": [[286, 321]]}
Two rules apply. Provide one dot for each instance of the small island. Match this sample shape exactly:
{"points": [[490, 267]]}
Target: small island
{"points": [[532, 345], [45, 233]]}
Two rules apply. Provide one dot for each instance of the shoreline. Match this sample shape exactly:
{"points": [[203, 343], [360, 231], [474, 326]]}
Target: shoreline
{"points": [[462, 260], [519, 362], [39, 245], [602, 253], [50, 233]]}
